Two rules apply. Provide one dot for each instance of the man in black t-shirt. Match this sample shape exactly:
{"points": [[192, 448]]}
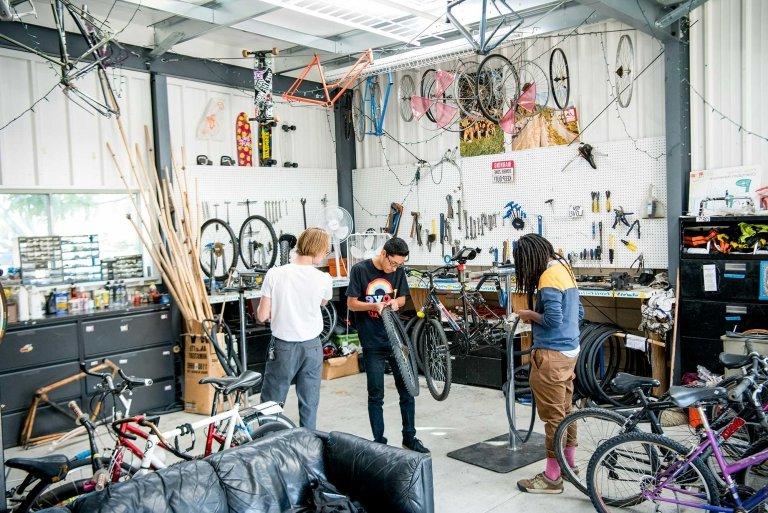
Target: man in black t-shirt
{"points": [[373, 285]]}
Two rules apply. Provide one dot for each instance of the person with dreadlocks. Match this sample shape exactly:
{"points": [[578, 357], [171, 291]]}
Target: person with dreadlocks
{"points": [[554, 319]]}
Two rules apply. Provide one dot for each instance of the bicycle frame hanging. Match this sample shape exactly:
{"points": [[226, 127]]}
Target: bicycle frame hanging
{"points": [[377, 112], [487, 43], [338, 88]]}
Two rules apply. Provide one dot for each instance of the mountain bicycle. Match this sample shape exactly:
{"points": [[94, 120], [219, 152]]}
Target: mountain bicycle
{"points": [[596, 425], [102, 51], [475, 324], [650, 472]]}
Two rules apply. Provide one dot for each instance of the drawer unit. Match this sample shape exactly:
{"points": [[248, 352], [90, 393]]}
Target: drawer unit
{"points": [[113, 336], [711, 319], [48, 421], [38, 346], [17, 389], [737, 280], [157, 396], [155, 363], [700, 351]]}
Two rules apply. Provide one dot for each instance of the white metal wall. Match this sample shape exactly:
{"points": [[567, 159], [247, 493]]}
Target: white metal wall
{"points": [[311, 145], [61, 145], [729, 69], [590, 93]]}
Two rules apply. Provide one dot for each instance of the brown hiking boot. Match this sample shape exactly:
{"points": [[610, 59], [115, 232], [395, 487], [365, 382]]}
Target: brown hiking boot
{"points": [[541, 484]]}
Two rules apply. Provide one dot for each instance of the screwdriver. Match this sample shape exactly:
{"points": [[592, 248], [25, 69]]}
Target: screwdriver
{"points": [[630, 245], [607, 201], [611, 247]]}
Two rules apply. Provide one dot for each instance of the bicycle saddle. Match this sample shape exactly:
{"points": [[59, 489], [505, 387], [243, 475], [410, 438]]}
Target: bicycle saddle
{"points": [[229, 384], [686, 396], [50, 468], [624, 383], [735, 361]]}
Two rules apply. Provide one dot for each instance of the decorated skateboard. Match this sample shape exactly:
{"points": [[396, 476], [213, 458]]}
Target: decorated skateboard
{"points": [[244, 140], [263, 102]]}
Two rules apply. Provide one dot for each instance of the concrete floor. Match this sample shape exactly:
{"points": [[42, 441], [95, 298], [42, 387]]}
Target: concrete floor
{"points": [[469, 415]]}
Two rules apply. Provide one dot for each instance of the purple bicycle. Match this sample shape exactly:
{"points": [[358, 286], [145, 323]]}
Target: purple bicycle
{"points": [[645, 472]]}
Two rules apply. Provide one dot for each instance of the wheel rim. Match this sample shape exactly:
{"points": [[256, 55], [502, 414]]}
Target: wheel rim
{"points": [[436, 359], [217, 240], [496, 86], [405, 91], [464, 90], [531, 73], [258, 243], [358, 115], [560, 81], [329, 321], [625, 70]]}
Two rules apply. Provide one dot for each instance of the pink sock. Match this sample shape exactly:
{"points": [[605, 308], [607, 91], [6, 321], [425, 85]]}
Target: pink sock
{"points": [[570, 456], [552, 471]]}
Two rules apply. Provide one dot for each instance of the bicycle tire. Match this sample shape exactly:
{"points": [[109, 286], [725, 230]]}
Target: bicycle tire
{"points": [[436, 357], [402, 350], [330, 317], [413, 327], [625, 59], [555, 83], [273, 240], [405, 90], [487, 108], [358, 114], [425, 88], [232, 240], [257, 420], [269, 428], [570, 474], [600, 502]]}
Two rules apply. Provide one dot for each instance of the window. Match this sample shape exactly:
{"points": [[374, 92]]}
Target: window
{"points": [[35, 215]]}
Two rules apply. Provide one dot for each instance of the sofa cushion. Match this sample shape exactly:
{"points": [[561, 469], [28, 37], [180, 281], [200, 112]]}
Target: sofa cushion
{"points": [[383, 478], [188, 487], [270, 475]]}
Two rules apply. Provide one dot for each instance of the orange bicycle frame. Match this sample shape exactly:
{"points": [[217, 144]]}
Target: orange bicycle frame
{"points": [[338, 88]]}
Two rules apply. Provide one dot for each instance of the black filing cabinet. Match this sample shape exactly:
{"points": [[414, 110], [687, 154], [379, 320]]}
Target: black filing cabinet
{"points": [[719, 292], [38, 353]]}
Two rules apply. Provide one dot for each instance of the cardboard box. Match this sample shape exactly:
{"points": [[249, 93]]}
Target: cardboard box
{"points": [[735, 181], [200, 361], [342, 366]]}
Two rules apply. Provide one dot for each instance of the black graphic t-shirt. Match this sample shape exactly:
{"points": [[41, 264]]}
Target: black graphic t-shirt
{"points": [[371, 285]]}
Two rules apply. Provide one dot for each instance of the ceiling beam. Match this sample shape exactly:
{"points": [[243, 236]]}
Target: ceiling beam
{"points": [[678, 12], [409, 10], [217, 17], [341, 21], [638, 14]]}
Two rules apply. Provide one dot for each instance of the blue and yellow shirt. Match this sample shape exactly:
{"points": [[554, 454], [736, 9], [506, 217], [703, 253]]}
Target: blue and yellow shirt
{"points": [[557, 300]]}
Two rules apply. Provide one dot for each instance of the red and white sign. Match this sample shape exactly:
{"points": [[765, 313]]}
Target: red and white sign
{"points": [[503, 171], [570, 115]]}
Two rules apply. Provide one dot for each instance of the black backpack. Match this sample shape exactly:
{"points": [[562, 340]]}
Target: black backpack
{"points": [[325, 498]]}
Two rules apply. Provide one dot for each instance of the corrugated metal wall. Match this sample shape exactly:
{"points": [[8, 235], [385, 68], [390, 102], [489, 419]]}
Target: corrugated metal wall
{"points": [[729, 68], [590, 93]]}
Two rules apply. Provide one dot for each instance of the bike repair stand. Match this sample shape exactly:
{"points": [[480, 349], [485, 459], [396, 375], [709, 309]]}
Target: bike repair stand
{"points": [[506, 452]]}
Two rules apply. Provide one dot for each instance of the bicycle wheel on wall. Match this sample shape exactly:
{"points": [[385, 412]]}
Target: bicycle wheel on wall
{"points": [[559, 78], [218, 248], [405, 90], [625, 70], [258, 243], [497, 86], [402, 349], [436, 357]]}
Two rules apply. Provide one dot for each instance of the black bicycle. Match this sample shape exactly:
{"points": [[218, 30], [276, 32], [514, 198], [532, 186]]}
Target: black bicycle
{"points": [[474, 323]]}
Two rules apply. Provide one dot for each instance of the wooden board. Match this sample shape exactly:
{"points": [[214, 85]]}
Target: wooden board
{"points": [[244, 140]]}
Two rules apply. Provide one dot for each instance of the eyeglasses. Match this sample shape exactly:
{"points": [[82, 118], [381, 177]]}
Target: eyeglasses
{"points": [[395, 264]]}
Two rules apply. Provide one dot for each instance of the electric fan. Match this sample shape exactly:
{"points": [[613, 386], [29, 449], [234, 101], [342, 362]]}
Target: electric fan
{"points": [[337, 222], [362, 246]]}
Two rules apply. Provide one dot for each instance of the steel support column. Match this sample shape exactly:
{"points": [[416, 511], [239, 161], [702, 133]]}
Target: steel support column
{"points": [[346, 157], [161, 122]]}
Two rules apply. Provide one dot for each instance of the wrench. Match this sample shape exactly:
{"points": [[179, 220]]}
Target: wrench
{"points": [[449, 214], [458, 209], [304, 211]]}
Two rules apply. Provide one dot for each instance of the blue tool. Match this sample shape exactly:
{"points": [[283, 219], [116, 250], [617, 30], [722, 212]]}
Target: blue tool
{"points": [[541, 225]]}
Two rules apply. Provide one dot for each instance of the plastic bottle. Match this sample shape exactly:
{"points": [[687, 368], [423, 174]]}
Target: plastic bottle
{"points": [[36, 302], [23, 302], [50, 304]]}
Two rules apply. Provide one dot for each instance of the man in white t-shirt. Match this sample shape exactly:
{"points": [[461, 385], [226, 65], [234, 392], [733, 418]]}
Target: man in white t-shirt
{"points": [[291, 297]]}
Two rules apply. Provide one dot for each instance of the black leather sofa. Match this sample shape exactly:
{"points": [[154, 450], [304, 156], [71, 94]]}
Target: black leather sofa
{"points": [[273, 475]]}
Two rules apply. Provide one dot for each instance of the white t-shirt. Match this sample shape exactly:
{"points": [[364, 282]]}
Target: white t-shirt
{"points": [[296, 291]]}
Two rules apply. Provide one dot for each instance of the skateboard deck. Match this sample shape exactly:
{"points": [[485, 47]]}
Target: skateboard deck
{"points": [[244, 140]]}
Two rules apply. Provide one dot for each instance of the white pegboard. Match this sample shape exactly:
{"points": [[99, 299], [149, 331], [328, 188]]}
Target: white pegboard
{"points": [[622, 168], [218, 184]]}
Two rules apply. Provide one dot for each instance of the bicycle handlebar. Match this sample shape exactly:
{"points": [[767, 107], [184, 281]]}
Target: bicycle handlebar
{"points": [[737, 393]]}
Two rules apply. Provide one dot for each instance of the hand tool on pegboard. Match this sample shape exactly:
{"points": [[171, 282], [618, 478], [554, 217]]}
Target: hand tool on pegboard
{"points": [[324, 200], [449, 212], [494, 251], [600, 226], [621, 217], [611, 248], [448, 233], [482, 225], [206, 210], [630, 245], [607, 201], [466, 226], [540, 225], [442, 232], [393, 220], [458, 211], [635, 223], [304, 211], [505, 252], [416, 228]]}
